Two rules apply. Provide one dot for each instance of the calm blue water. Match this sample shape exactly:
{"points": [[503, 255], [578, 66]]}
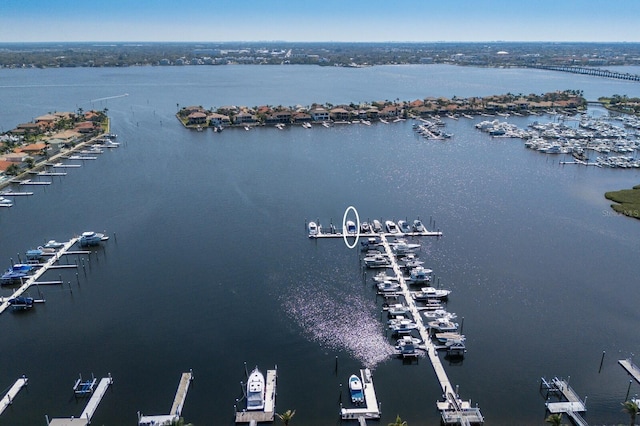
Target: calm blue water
{"points": [[209, 266]]}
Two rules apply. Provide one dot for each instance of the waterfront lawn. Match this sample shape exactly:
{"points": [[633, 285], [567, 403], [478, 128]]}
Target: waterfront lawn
{"points": [[628, 201]]}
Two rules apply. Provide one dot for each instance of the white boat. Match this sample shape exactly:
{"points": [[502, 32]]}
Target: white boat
{"points": [[91, 238], [53, 244], [404, 226], [426, 293], [418, 226], [376, 261], [351, 227], [376, 225], [255, 390], [365, 227], [420, 275], [443, 325], [392, 228], [439, 313], [402, 326], [406, 346], [389, 287], [382, 276], [5, 202], [306, 125], [449, 336], [397, 309], [356, 390], [313, 229], [401, 247]]}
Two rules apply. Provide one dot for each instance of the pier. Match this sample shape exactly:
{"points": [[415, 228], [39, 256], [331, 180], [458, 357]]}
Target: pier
{"points": [[371, 409], [33, 279], [90, 409], [598, 72], [176, 407], [7, 400], [569, 404], [268, 413], [631, 368]]}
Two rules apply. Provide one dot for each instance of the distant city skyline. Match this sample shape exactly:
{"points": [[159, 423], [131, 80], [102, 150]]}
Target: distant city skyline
{"points": [[330, 20]]}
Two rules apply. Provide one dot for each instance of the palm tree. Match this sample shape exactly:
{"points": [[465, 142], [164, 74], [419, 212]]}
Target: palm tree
{"points": [[180, 422], [554, 419], [286, 416], [398, 422], [631, 408]]}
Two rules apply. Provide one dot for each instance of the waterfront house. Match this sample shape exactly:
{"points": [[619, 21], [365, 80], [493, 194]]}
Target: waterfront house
{"points": [[34, 149], [196, 118], [319, 114], [301, 117], [216, 119], [245, 117], [87, 127], [339, 114], [14, 157]]}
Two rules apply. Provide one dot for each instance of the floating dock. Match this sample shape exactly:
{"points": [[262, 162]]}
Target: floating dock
{"points": [[7, 400], [266, 414], [631, 368], [33, 279], [569, 404], [176, 407], [371, 409], [90, 409]]}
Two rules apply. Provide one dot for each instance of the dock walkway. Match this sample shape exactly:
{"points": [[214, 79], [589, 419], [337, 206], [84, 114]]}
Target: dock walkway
{"points": [[268, 413], [34, 278], [571, 404], [176, 407], [631, 368], [12, 392], [453, 410]]}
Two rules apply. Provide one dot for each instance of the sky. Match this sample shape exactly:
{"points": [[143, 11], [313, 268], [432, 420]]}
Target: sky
{"points": [[326, 20]]}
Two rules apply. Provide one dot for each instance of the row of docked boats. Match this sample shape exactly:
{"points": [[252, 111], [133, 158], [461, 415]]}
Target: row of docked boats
{"points": [[366, 228]]}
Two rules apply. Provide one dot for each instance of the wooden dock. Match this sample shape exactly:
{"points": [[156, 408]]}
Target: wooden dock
{"points": [[7, 400], [176, 407], [631, 368], [371, 409], [90, 409], [33, 279], [268, 413]]}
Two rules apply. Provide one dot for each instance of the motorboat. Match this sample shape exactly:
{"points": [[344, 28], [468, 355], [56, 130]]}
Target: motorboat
{"points": [[443, 325], [21, 302], [53, 244], [411, 261], [406, 346], [365, 227], [403, 226], [376, 225], [351, 227], [313, 229], [397, 309], [455, 347], [356, 390], [382, 277], [39, 252], [16, 272], [401, 247], [389, 287], [255, 390], [392, 228], [431, 293], [370, 244], [418, 226], [439, 313], [91, 238], [420, 275], [402, 326], [376, 261], [5, 202], [448, 336]]}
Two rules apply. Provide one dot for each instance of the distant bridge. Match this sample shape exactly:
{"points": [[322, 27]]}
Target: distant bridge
{"points": [[590, 71]]}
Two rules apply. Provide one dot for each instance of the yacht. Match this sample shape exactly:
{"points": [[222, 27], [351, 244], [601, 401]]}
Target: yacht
{"points": [[404, 226], [313, 229], [426, 293], [443, 325], [351, 227], [397, 309], [377, 226], [420, 275], [376, 261], [392, 228], [401, 247], [255, 390], [418, 226], [389, 287], [403, 326], [365, 227], [356, 390], [91, 238]]}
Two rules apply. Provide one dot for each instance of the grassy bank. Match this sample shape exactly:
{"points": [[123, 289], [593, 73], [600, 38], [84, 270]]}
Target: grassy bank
{"points": [[627, 201]]}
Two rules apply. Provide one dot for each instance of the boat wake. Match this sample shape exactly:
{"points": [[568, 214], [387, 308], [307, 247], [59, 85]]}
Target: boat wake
{"points": [[340, 322]]}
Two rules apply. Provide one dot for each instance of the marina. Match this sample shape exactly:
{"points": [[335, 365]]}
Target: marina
{"points": [[568, 403]]}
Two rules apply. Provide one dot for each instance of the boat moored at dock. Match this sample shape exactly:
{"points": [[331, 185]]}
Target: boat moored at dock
{"points": [[91, 238], [355, 389], [255, 390]]}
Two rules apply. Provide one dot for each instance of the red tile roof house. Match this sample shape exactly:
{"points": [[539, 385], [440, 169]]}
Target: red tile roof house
{"points": [[34, 149], [197, 118], [86, 127]]}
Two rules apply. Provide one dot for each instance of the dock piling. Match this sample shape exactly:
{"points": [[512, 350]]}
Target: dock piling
{"points": [[601, 361]]}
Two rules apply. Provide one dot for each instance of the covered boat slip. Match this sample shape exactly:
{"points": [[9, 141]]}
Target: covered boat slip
{"points": [[176, 407], [371, 409], [268, 413]]}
